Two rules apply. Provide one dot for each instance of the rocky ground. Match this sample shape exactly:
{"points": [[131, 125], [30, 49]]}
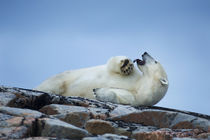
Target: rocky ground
{"points": [[32, 115]]}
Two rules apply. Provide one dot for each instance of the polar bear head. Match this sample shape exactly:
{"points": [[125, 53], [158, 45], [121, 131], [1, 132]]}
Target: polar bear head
{"points": [[150, 67]]}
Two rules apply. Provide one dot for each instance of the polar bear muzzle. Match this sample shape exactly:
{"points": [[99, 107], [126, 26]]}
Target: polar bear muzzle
{"points": [[146, 58]]}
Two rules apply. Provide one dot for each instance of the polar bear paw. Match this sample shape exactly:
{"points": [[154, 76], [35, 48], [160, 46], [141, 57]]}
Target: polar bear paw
{"points": [[126, 66], [105, 95]]}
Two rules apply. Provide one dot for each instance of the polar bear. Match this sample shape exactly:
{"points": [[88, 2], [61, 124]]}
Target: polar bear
{"points": [[118, 81]]}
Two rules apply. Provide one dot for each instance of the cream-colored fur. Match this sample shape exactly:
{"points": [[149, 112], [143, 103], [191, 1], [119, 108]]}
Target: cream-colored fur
{"points": [[118, 81]]}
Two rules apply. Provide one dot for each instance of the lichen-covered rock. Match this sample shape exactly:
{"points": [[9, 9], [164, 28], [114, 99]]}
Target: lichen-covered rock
{"points": [[99, 127]]}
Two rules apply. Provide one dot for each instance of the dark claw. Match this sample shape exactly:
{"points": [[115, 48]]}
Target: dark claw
{"points": [[125, 63]]}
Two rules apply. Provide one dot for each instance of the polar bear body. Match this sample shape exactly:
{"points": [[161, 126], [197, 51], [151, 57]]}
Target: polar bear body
{"points": [[117, 81], [82, 82]]}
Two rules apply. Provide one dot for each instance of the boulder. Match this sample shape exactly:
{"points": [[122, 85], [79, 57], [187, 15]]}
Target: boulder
{"points": [[99, 127], [56, 128]]}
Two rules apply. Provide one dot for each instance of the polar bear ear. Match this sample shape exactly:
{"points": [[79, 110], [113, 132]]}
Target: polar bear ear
{"points": [[164, 81]]}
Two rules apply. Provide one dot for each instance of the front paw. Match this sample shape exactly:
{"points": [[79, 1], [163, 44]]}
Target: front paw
{"points": [[126, 66], [104, 94]]}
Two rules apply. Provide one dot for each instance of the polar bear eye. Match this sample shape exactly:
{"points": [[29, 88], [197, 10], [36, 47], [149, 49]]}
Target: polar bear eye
{"points": [[156, 62]]}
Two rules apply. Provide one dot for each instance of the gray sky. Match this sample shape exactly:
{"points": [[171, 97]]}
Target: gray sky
{"points": [[44, 37]]}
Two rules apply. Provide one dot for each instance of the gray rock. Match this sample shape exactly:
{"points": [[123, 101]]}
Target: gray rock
{"points": [[20, 112], [13, 132], [62, 109], [56, 128], [6, 98]]}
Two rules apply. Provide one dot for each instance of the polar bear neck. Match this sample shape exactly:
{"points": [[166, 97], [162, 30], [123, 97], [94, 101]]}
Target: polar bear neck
{"points": [[151, 91]]}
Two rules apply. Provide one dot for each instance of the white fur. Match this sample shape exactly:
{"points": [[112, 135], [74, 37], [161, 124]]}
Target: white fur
{"points": [[111, 84]]}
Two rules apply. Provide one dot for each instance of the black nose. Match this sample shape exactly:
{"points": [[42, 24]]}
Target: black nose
{"points": [[145, 53]]}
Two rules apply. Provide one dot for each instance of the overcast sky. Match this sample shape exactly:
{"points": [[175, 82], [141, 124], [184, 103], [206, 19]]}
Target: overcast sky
{"points": [[44, 37]]}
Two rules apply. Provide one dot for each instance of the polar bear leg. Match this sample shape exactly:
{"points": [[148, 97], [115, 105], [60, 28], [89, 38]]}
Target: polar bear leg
{"points": [[114, 95]]}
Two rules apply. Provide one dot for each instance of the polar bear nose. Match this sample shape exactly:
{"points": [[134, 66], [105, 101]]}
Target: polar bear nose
{"points": [[145, 53]]}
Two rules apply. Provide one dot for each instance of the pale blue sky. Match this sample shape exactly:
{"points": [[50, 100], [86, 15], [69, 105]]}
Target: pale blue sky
{"points": [[40, 38]]}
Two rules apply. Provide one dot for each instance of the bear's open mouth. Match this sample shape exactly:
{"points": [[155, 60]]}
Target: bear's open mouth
{"points": [[139, 61], [146, 58]]}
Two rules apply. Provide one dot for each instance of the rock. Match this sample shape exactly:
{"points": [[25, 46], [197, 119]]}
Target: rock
{"points": [[15, 121], [74, 115], [127, 129], [20, 112], [6, 98], [203, 136], [14, 126], [155, 118], [166, 133], [32, 99], [99, 127], [28, 114], [165, 119], [61, 109], [13, 132], [54, 109], [108, 137], [185, 121], [78, 119], [56, 128]]}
